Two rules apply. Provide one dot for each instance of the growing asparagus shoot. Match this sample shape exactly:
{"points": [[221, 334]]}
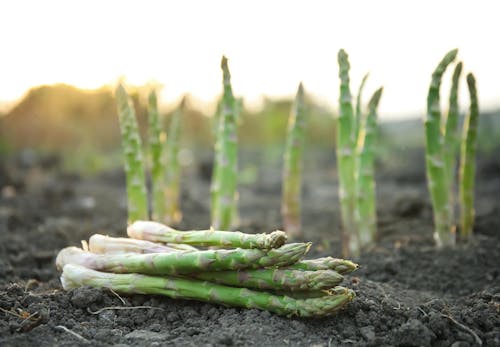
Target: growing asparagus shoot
{"points": [[224, 178], [346, 161], [467, 164], [359, 105], [156, 139], [365, 180], [437, 176], [173, 171], [451, 135], [292, 170], [451, 138], [75, 276], [157, 232], [137, 197]]}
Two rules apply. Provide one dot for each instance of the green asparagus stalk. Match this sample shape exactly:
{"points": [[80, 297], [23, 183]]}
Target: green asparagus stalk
{"points": [[216, 119], [366, 210], [108, 245], [346, 161], [157, 232], [75, 276], [341, 266], [292, 170], [156, 139], [184, 262], [224, 181], [306, 294], [451, 138], [134, 163], [467, 164], [435, 162], [274, 279], [359, 114], [173, 171]]}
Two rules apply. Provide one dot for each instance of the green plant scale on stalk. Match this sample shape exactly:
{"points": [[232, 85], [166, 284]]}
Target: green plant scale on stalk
{"points": [[137, 197]]}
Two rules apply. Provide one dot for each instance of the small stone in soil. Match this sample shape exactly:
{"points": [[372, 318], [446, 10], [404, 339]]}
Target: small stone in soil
{"points": [[367, 332], [145, 335]]}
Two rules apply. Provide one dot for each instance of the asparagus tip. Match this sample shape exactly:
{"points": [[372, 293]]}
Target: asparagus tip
{"points": [[308, 247], [450, 56], [471, 79], [301, 88], [343, 58], [184, 101], [223, 63], [277, 239]]}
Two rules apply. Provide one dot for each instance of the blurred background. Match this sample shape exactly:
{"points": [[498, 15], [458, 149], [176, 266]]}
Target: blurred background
{"points": [[61, 60]]}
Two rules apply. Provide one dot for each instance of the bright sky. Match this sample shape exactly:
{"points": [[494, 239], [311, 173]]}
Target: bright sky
{"points": [[271, 46]]}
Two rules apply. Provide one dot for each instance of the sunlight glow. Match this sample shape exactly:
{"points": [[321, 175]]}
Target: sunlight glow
{"points": [[272, 46]]}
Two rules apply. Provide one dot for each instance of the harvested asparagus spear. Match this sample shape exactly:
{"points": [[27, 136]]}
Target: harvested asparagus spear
{"points": [[275, 279], [184, 262], [134, 163], [467, 165], [108, 245], [157, 232], [435, 161], [292, 169], [75, 276], [342, 266]]}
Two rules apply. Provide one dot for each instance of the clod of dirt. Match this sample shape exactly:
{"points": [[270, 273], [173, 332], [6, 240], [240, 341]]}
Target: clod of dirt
{"points": [[83, 297], [414, 333]]}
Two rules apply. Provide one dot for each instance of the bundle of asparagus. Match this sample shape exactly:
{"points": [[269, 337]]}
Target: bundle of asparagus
{"points": [[256, 271]]}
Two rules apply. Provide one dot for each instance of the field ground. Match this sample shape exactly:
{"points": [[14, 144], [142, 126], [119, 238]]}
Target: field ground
{"points": [[408, 293]]}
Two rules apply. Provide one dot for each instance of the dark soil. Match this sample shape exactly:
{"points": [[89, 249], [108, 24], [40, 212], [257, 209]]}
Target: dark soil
{"points": [[408, 293]]}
